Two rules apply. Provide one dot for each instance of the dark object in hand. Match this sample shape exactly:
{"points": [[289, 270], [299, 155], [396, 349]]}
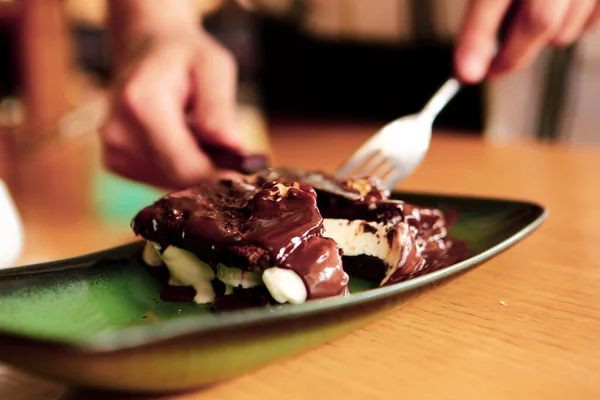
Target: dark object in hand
{"points": [[225, 158]]}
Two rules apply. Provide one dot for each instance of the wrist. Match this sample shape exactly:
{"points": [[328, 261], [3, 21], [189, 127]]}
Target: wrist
{"points": [[135, 23]]}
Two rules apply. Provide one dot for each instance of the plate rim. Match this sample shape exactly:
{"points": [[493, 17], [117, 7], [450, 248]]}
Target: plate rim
{"points": [[137, 336]]}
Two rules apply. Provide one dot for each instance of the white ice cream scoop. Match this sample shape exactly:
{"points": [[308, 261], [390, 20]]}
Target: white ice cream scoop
{"points": [[11, 229]]}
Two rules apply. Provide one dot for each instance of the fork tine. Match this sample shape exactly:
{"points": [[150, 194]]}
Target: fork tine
{"points": [[394, 179], [388, 172], [371, 166], [383, 167], [357, 159]]}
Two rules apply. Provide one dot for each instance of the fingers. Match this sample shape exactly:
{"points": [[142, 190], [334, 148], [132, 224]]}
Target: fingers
{"points": [[124, 153], [477, 38], [136, 168], [536, 23], [574, 22], [593, 19], [148, 136], [213, 113], [155, 97]]}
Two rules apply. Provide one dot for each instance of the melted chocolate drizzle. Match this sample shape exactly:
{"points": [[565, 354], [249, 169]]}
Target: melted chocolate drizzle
{"points": [[275, 218], [429, 248], [238, 224]]}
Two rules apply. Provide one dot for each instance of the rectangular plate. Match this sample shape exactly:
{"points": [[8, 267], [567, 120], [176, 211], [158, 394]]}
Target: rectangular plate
{"points": [[108, 303]]}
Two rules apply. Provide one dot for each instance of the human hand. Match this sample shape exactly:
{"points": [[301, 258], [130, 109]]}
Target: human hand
{"points": [[536, 24], [176, 89]]}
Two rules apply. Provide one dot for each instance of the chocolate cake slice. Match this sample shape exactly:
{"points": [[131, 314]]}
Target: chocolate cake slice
{"points": [[233, 235], [382, 239], [287, 236]]}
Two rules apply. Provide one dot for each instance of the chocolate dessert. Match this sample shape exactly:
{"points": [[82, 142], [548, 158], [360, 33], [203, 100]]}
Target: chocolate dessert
{"points": [[244, 236], [383, 240], [286, 236]]}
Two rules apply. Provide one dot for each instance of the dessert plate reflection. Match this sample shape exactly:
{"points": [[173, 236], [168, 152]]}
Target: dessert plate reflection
{"points": [[98, 321]]}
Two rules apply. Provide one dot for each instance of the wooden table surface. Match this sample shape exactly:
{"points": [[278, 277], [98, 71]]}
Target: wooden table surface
{"points": [[524, 325]]}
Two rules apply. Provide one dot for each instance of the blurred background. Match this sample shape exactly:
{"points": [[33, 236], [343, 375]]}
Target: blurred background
{"points": [[325, 61]]}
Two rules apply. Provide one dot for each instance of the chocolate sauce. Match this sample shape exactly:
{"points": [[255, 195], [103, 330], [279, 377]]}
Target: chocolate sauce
{"points": [[411, 262], [289, 226], [238, 224], [241, 298], [318, 261], [429, 247], [282, 218], [275, 218], [177, 293]]}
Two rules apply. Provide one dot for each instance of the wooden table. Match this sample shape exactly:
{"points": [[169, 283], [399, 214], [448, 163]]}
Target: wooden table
{"points": [[524, 325]]}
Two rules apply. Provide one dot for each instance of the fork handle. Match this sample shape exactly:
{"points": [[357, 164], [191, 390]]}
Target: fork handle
{"points": [[440, 99]]}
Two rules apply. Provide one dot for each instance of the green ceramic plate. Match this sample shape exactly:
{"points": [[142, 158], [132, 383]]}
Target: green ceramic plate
{"points": [[97, 320]]}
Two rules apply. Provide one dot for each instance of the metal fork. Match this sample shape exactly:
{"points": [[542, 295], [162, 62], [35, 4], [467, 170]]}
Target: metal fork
{"points": [[398, 148]]}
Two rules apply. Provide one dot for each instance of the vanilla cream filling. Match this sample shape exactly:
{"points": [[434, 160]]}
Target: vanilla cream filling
{"points": [[284, 285], [356, 237], [185, 269], [384, 241]]}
